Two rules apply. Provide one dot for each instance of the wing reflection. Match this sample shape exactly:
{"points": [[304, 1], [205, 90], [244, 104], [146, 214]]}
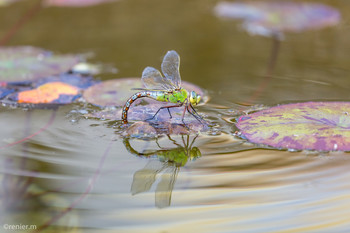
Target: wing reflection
{"points": [[167, 166]]}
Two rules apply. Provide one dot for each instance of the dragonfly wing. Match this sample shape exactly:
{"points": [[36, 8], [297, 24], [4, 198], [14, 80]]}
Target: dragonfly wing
{"points": [[166, 186], [153, 80], [170, 68]]}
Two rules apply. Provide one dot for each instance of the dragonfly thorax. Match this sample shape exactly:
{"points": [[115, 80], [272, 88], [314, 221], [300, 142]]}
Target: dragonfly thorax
{"points": [[179, 96], [176, 96]]}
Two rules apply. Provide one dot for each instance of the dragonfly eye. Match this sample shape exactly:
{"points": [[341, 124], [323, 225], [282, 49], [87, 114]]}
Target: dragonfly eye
{"points": [[194, 98]]}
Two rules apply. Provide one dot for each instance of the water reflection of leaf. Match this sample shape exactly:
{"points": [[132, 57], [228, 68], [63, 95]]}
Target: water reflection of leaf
{"points": [[168, 164]]}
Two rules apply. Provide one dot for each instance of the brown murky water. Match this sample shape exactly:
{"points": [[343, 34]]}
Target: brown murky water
{"points": [[80, 175]]}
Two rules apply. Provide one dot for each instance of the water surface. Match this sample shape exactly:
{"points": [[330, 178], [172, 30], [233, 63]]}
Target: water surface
{"points": [[79, 175]]}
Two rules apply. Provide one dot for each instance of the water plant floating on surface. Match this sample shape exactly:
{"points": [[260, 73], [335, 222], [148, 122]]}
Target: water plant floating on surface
{"points": [[166, 89], [31, 75], [62, 89], [74, 3], [115, 92], [274, 18], [320, 126], [26, 63], [7, 2]]}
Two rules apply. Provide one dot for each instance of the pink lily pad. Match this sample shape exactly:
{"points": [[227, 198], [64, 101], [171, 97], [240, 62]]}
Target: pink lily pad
{"points": [[275, 17], [117, 91], [24, 63], [321, 126], [74, 3]]}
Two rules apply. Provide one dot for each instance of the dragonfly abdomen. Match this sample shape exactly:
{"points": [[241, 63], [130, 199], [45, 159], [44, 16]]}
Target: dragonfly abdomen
{"points": [[132, 100]]}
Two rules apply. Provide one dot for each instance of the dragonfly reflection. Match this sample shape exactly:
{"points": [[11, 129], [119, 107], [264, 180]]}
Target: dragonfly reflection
{"points": [[168, 165]]}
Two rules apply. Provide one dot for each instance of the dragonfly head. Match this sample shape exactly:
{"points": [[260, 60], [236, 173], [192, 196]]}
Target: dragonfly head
{"points": [[194, 98]]}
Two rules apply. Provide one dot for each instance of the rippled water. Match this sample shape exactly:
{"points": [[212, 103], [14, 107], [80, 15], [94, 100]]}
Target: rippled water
{"points": [[79, 175]]}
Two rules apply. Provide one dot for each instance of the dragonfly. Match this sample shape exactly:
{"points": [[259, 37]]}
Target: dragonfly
{"points": [[165, 89]]}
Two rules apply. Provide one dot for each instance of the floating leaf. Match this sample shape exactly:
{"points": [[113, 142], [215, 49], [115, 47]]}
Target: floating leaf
{"points": [[54, 92], [162, 123], [117, 91], [74, 3], [274, 18], [76, 80], [27, 63], [7, 2], [322, 126], [92, 69], [4, 92], [61, 89]]}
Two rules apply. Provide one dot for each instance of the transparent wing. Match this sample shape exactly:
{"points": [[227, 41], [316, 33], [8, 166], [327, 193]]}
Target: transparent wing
{"points": [[166, 186], [170, 68], [153, 80]]}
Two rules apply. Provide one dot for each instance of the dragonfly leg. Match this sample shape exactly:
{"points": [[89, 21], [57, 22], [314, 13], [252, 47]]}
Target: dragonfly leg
{"points": [[195, 114], [168, 107], [183, 118], [169, 113]]}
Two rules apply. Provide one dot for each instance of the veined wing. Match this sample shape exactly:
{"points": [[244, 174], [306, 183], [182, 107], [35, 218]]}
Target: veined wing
{"points": [[170, 68], [166, 186], [153, 80]]}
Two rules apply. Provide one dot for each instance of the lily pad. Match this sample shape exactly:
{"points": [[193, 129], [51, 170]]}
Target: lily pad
{"points": [[28, 63], [321, 126], [162, 123], [275, 17], [61, 89], [142, 129], [117, 91], [8, 2], [53, 92], [4, 92], [77, 80], [74, 3], [93, 69]]}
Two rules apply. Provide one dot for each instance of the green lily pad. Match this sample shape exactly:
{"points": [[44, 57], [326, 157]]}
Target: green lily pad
{"points": [[24, 63], [321, 126]]}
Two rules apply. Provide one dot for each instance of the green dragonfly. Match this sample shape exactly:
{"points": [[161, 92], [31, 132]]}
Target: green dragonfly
{"points": [[165, 89]]}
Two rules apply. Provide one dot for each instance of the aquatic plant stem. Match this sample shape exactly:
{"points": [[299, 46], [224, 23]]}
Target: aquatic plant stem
{"points": [[28, 15], [53, 116], [82, 196], [270, 68]]}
